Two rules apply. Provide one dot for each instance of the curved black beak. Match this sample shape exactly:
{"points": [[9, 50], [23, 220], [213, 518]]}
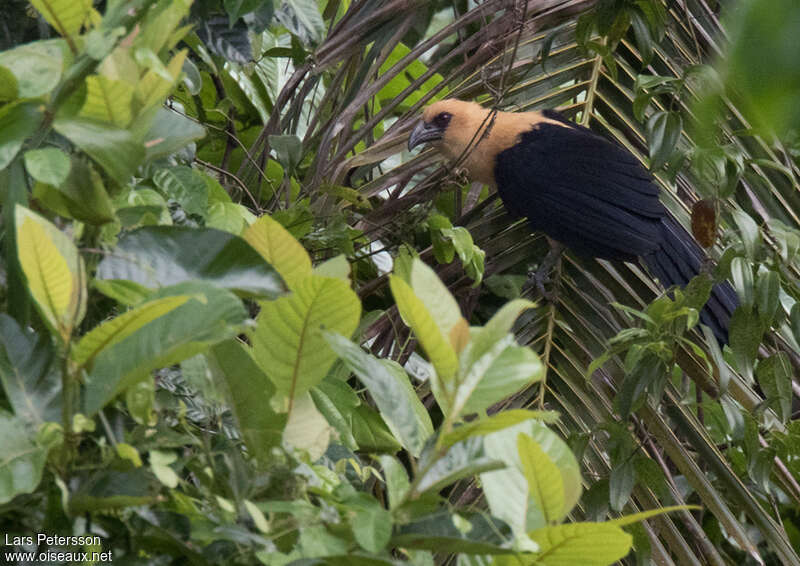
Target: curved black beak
{"points": [[424, 133]]}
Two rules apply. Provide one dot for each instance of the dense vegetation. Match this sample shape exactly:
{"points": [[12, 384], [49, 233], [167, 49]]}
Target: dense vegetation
{"points": [[242, 324]]}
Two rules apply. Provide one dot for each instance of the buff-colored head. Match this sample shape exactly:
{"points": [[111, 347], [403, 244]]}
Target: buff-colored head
{"points": [[445, 122]]}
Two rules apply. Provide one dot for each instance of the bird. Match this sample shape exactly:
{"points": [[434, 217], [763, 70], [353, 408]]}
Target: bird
{"points": [[583, 191]]}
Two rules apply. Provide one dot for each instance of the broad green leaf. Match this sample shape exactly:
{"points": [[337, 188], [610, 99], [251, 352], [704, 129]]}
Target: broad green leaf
{"points": [[289, 150], [479, 533], [402, 80], [280, 249], [440, 303], [160, 466], [302, 18], [751, 235], [184, 185], [545, 484], [507, 490], [29, 373], [371, 525], [8, 85], [337, 266], [391, 390], [588, 544], [66, 16], [114, 149], [160, 26], [774, 375], [742, 275], [504, 369], [153, 88], [768, 291], [745, 334], [337, 402], [108, 101], [663, 133], [37, 66], [49, 165], [18, 121], [22, 460], [229, 217], [169, 133], [438, 348], [112, 331], [371, 432], [238, 8], [396, 478], [288, 343], [307, 430], [493, 423], [82, 195], [482, 339], [462, 460], [157, 256], [250, 392], [54, 271], [211, 315], [124, 292]]}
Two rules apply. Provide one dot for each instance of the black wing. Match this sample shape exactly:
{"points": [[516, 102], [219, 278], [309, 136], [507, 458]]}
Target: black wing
{"points": [[582, 190]]}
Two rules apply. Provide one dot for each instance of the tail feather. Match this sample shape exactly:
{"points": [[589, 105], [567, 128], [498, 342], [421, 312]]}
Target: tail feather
{"points": [[677, 260]]}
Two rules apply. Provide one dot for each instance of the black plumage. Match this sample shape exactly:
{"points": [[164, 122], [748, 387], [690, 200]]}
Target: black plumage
{"points": [[594, 197]]}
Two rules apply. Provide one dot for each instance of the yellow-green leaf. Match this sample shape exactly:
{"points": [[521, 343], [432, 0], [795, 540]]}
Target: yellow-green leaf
{"points": [[416, 315], [440, 303], [119, 328], [545, 484], [108, 100], [153, 87], [587, 544], [66, 16], [288, 342], [53, 269], [280, 249]]}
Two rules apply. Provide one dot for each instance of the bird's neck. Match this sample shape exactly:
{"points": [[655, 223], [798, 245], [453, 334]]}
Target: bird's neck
{"points": [[484, 137]]}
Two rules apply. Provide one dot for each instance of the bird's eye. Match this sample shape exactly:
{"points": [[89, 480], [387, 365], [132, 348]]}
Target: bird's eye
{"points": [[442, 119]]}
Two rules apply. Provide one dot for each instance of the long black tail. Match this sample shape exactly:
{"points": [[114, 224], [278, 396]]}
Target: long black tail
{"points": [[678, 259]]}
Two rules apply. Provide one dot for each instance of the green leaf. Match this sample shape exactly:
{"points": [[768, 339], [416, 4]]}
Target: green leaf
{"points": [[742, 275], [303, 19], [496, 329], [54, 271], [768, 291], [337, 266], [371, 525], [440, 303], [277, 246], [37, 66], [545, 484], [212, 315], [250, 392], [186, 186], [643, 515], [114, 149], [169, 133], [396, 478], [502, 371], [751, 235], [390, 388], [108, 333], [81, 195], [588, 544], [774, 375], [158, 256], [411, 72], [17, 122], [438, 348], [289, 150], [288, 343], [66, 16], [479, 533], [745, 334], [307, 430], [493, 423], [29, 374], [49, 165], [108, 101], [22, 461], [238, 8], [371, 432], [8, 85], [337, 402], [507, 490], [462, 460], [663, 133]]}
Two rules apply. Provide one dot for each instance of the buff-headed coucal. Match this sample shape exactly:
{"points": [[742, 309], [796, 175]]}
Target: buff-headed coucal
{"points": [[582, 190]]}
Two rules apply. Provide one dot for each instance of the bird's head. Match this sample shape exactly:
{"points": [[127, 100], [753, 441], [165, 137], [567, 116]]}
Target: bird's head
{"points": [[442, 121]]}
